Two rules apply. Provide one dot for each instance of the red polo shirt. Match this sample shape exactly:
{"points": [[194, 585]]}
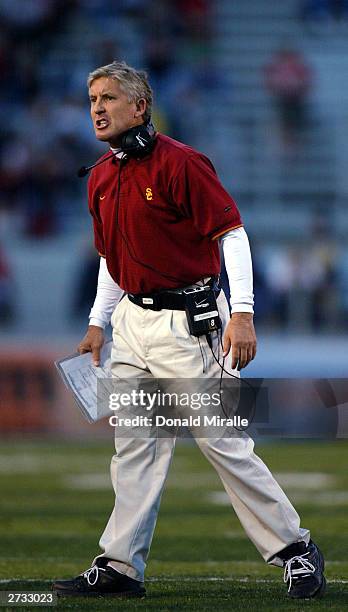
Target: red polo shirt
{"points": [[159, 231]]}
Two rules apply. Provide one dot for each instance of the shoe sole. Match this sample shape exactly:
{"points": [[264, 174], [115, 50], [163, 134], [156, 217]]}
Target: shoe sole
{"points": [[96, 594], [320, 592]]}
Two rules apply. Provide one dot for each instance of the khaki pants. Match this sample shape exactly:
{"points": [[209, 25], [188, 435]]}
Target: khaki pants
{"points": [[157, 344]]}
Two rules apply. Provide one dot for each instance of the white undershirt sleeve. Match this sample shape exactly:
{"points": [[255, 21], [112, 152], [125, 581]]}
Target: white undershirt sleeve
{"points": [[238, 264], [107, 298]]}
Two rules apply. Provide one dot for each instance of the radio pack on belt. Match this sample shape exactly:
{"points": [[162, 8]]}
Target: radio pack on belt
{"points": [[201, 310]]}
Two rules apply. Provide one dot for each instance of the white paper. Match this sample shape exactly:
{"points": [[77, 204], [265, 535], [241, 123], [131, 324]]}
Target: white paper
{"points": [[80, 377]]}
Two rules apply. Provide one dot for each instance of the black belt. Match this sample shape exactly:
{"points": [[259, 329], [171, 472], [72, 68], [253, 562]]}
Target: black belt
{"points": [[166, 300]]}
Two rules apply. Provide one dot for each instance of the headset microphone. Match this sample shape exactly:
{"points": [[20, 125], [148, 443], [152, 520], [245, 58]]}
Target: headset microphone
{"points": [[83, 171], [135, 142]]}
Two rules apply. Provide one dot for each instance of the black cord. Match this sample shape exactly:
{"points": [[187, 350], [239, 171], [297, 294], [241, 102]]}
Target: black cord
{"points": [[242, 380], [202, 355]]}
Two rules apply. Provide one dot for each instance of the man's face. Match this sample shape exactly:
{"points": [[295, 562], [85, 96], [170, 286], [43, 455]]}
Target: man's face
{"points": [[112, 113]]}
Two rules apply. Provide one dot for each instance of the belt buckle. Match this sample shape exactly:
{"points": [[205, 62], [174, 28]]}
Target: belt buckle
{"points": [[153, 303]]}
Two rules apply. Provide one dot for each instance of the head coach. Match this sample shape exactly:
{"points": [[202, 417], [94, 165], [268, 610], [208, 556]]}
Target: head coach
{"points": [[159, 213]]}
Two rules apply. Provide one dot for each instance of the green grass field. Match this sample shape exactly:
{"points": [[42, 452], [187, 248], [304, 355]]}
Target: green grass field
{"points": [[56, 497]]}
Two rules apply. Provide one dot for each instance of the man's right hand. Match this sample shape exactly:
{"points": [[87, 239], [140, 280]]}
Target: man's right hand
{"points": [[92, 343]]}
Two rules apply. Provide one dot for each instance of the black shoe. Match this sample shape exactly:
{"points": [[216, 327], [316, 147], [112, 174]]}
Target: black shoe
{"points": [[303, 573], [99, 581]]}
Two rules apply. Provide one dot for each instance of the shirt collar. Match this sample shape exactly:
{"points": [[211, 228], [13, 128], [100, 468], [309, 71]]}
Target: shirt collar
{"points": [[118, 152]]}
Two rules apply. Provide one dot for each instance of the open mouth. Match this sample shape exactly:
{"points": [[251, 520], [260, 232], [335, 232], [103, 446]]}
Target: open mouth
{"points": [[101, 123]]}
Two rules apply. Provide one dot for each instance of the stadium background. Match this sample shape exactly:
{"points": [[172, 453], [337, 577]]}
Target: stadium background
{"points": [[261, 88]]}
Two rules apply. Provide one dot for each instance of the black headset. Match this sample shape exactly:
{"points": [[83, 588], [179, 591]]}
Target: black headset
{"points": [[138, 140]]}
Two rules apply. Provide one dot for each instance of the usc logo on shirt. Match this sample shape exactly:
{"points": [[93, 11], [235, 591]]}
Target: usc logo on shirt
{"points": [[148, 193]]}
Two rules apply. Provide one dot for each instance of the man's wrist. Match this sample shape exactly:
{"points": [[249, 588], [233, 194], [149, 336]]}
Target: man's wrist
{"points": [[242, 316]]}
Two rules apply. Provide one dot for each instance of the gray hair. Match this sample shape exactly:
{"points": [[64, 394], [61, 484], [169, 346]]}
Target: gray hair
{"points": [[134, 83]]}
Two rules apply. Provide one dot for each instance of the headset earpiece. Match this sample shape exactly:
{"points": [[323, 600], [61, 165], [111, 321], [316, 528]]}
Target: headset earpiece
{"points": [[139, 140]]}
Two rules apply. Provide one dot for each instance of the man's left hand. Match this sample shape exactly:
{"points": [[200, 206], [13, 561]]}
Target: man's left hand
{"points": [[240, 333]]}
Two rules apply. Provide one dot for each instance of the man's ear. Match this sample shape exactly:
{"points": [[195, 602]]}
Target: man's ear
{"points": [[141, 107]]}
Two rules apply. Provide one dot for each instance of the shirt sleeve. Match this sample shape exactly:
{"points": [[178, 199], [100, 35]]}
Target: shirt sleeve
{"points": [[93, 205], [198, 193], [239, 270], [107, 298]]}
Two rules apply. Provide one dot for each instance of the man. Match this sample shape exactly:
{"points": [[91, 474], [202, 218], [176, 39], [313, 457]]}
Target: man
{"points": [[158, 216]]}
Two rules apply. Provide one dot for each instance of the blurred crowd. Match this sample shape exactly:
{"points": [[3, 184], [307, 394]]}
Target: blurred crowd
{"points": [[324, 11], [297, 285], [288, 78]]}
